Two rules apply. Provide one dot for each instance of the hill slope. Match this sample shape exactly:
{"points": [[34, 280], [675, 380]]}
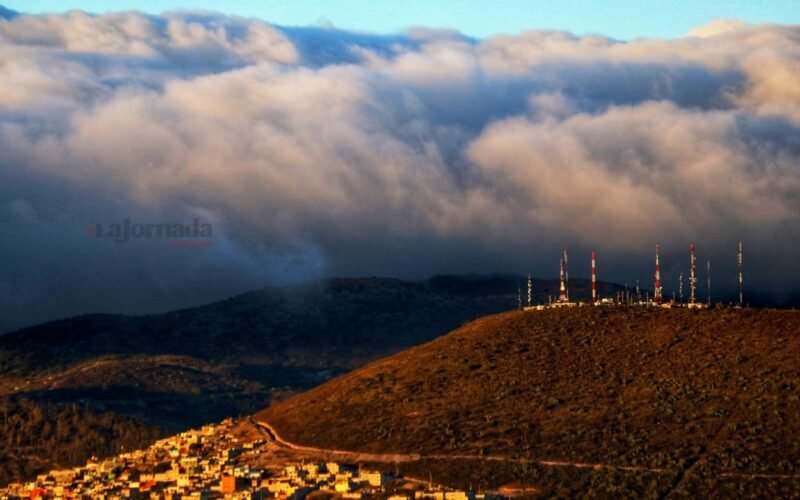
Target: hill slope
{"points": [[696, 393], [185, 368]]}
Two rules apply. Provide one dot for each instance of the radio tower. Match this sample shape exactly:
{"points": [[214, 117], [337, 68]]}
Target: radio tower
{"points": [[566, 273], [680, 287], [657, 283], [562, 291], [530, 290], [692, 277], [594, 279], [741, 280]]}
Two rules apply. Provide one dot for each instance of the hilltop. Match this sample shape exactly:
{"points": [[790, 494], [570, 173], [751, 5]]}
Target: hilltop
{"points": [[668, 401], [168, 372]]}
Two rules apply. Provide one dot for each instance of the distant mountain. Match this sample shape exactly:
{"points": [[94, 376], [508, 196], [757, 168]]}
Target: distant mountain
{"points": [[334, 323], [6, 13], [609, 402], [185, 368]]}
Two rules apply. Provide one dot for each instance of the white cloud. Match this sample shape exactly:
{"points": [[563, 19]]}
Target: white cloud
{"points": [[394, 155]]}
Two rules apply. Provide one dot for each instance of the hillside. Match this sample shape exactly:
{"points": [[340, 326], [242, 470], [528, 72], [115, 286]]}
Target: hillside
{"points": [[700, 400], [224, 358], [38, 436], [185, 368]]}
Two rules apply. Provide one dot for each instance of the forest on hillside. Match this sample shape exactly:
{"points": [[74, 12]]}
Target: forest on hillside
{"points": [[38, 436]]}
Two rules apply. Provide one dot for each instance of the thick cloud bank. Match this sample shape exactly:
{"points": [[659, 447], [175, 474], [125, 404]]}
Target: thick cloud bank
{"points": [[316, 152]]}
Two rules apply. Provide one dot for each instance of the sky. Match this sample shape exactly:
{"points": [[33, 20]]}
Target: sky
{"points": [[314, 151], [622, 19]]}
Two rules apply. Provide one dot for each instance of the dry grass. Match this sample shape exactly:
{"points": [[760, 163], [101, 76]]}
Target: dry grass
{"points": [[696, 392]]}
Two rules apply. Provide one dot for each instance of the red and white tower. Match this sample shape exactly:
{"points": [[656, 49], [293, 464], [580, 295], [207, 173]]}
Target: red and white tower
{"points": [[692, 277], [657, 281], [562, 291], [741, 280], [566, 273], [594, 278]]}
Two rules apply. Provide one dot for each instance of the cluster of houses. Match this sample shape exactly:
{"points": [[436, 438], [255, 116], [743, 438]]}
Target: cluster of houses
{"points": [[212, 462]]}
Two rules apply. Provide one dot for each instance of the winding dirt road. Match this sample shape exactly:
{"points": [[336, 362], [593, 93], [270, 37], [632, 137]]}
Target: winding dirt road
{"points": [[272, 436]]}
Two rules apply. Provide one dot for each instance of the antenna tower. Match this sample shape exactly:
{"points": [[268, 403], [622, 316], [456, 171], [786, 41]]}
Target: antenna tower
{"points": [[692, 277], [562, 291], [741, 280], [657, 282], [594, 278], [566, 273], [530, 290]]}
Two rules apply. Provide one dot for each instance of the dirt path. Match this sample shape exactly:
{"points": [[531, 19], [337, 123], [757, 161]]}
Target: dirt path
{"points": [[278, 442], [352, 456]]}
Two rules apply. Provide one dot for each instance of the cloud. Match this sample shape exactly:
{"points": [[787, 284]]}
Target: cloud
{"points": [[317, 151], [718, 27]]}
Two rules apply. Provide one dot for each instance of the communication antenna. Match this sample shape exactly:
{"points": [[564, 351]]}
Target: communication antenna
{"points": [[566, 273], [562, 290], [657, 281], [530, 289], [708, 277], [638, 293], [680, 287], [692, 277], [741, 280], [594, 278]]}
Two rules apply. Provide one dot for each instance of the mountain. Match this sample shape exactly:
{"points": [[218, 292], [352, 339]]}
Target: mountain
{"points": [[6, 13], [591, 401], [184, 368]]}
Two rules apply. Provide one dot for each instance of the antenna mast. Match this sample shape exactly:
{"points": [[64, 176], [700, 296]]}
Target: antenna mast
{"points": [[692, 277], [657, 283], [708, 277], [566, 273], [594, 278], [741, 281], [562, 291], [530, 290]]}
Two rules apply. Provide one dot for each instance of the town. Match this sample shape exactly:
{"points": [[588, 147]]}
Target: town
{"points": [[215, 462]]}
